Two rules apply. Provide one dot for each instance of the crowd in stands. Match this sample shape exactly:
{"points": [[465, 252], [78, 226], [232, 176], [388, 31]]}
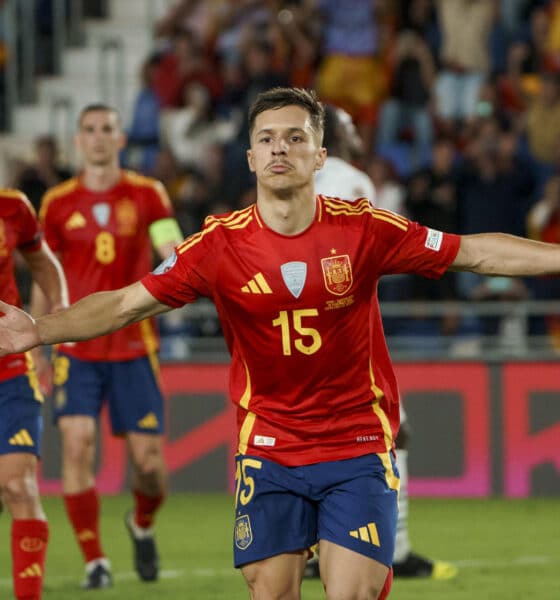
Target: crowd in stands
{"points": [[457, 102]]}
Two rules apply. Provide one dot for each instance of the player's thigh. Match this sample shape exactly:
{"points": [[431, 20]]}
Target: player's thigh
{"points": [[360, 512], [279, 576], [78, 387], [273, 516], [347, 574], [135, 398], [21, 423]]}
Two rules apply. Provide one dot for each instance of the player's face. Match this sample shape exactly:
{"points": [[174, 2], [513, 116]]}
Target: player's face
{"points": [[100, 138], [285, 150]]}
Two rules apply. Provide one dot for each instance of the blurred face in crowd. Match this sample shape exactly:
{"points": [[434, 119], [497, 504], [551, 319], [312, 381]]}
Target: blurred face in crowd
{"points": [[350, 134], [100, 138], [443, 154], [285, 149]]}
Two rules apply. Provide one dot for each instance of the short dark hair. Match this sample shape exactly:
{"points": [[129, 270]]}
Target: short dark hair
{"points": [[97, 107], [331, 128], [279, 97]]}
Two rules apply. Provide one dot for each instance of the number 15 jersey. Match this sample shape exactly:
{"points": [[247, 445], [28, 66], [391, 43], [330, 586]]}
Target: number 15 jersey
{"points": [[310, 372]]}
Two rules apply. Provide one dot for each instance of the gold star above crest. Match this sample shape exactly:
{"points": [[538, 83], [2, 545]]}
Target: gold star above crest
{"points": [[333, 251]]}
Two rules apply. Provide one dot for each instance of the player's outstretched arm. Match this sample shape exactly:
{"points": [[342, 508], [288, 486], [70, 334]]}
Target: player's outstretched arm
{"points": [[506, 255], [92, 316]]}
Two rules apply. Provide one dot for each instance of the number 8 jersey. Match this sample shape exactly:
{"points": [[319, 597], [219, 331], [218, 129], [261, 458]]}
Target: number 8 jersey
{"points": [[103, 242], [310, 372]]}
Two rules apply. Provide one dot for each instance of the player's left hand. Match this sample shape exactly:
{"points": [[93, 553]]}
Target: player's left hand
{"points": [[18, 330]]}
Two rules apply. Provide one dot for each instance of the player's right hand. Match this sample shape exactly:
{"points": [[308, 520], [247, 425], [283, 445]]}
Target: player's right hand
{"points": [[18, 330]]}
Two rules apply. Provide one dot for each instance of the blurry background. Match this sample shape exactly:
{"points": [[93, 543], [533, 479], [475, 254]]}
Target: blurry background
{"points": [[457, 103]]}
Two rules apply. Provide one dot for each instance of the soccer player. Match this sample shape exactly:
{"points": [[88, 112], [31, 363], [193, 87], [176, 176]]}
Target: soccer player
{"points": [[21, 399], [340, 178], [293, 278], [103, 224]]}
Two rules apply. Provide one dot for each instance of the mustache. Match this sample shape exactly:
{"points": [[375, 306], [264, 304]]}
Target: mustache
{"points": [[276, 163]]}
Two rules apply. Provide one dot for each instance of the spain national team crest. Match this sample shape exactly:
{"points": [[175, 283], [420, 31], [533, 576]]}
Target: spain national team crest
{"points": [[243, 534], [337, 273], [127, 217]]}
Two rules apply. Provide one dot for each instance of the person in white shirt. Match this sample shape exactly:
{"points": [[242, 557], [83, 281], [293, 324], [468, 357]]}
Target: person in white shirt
{"points": [[341, 179]]}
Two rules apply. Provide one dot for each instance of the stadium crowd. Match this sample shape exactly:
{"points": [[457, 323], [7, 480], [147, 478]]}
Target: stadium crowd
{"points": [[457, 103]]}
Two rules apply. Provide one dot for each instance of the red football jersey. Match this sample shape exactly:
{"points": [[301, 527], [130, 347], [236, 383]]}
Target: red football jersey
{"points": [[308, 384], [19, 229], [102, 239]]}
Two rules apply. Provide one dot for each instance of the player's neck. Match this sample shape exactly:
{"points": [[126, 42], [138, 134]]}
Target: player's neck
{"points": [[100, 178], [287, 214]]}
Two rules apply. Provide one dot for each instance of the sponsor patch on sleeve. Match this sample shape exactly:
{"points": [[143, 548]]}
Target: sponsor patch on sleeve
{"points": [[433, 240]]}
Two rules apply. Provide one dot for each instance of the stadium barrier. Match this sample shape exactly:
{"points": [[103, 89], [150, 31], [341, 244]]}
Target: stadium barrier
{"points": [[480, 429]]}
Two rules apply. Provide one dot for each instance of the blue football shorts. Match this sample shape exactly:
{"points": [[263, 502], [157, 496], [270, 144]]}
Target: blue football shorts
{"points": [[21, 422], [352, 503], [130, 388]]}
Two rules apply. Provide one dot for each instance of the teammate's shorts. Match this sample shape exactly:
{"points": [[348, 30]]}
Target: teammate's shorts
{"points": [[352, 503], [130, 388], [21, 423]]}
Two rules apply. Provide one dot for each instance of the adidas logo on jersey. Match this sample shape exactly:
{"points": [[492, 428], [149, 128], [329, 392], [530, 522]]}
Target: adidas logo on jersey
{"points": [[76, 221], [367, 534], [33, 570], [150, 421], [21, 438], [257, 285]]}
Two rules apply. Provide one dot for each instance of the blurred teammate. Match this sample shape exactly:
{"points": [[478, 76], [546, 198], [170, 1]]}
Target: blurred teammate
{"points": [[340, 178], [103, 224], [21, 400], [293, 278]]}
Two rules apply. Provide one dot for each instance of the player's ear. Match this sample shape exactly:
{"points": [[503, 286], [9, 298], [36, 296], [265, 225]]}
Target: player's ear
{"points": [[320, 158], [251, 161], [122, 141]]}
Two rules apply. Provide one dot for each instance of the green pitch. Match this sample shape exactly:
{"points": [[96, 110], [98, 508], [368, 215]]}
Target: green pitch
{"points": [[505, 550]]}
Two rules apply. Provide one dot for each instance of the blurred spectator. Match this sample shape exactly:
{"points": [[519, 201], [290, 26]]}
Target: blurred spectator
{"points": [[408, 107], [465, 58], [195, 202], [543, 121], [302, 36], [432, 192], [513, 15], [518, 83], [543, 224], [537, 35], [420, 16], [389, 192], [351, 74], [37, 177], [185, 63], [143, 133], [193, 15], [494, 190], [193, 130], [167, 170], [432, 201]]}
